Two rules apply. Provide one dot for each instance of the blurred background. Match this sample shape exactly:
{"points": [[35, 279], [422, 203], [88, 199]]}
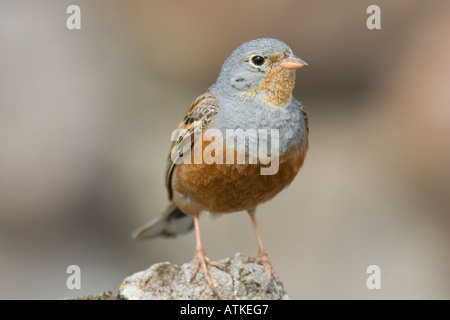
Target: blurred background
{"points": [[86, 118]]}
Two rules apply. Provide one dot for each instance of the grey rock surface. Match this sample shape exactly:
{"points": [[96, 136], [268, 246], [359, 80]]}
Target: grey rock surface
{"points": [[241, 279]]}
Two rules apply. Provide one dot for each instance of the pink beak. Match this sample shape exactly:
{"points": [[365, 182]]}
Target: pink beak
{"points": [[292, 62]]}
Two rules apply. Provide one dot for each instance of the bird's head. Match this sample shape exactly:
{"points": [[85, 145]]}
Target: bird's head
{"points": [[263, 67]]}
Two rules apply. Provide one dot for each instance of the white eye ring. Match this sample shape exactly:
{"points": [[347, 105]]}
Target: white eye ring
{"points": [[257, 60]]}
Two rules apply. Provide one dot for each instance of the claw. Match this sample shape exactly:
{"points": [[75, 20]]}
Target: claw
{"points": [[263, 260], [203, 261], [262, 255]]}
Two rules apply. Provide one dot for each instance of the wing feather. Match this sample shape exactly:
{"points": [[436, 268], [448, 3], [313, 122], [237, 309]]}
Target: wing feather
{"points": [[202, 109]]}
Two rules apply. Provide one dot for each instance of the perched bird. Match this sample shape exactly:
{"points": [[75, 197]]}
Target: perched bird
{"points": [[252, 91]]}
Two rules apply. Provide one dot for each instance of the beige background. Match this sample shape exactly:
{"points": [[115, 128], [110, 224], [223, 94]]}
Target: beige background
{"points": [[86, 117]]}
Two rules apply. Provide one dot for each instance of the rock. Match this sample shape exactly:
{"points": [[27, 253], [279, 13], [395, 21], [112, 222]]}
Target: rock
{"points": [[107, 295], [241, 279]]}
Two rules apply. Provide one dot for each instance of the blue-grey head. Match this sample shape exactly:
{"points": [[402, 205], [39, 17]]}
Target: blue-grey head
{"points": [[263, 67]]}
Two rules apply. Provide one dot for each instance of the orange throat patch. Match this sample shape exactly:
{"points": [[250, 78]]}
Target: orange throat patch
{"points": [[277, 86]]}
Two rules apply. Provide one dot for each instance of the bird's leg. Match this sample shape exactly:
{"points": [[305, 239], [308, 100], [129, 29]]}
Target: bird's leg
{"points": [[262, 255], [200, 258]]}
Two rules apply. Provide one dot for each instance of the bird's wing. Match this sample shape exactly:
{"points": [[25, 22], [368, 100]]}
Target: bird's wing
{"points": [[305, 116], [202, 109]]}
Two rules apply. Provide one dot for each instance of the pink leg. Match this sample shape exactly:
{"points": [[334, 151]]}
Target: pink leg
{"points": [[200, 258], [262, 255]]}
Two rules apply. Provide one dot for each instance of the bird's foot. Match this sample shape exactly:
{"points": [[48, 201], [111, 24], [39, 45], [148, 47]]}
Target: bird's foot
{"points": [[263, 260], [203, 261]]}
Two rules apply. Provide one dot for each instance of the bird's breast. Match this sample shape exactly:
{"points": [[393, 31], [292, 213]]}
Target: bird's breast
{"points": [[256, 115], [223, 188]]}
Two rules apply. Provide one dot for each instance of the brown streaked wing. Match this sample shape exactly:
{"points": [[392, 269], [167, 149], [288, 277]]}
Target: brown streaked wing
{"points": [[305, 116], [202, 109]]}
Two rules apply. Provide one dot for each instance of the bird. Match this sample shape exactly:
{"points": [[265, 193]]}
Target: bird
{"points": [[252, 91]]}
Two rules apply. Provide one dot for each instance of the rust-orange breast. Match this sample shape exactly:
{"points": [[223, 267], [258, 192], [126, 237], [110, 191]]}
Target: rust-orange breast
{"points": [[222, 188]]}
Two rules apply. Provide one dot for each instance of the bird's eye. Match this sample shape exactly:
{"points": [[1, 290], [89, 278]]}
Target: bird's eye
{"points": [[258, 60]]}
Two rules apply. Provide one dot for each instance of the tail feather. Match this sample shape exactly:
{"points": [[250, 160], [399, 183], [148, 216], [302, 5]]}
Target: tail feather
{"points": [[170, 223]]}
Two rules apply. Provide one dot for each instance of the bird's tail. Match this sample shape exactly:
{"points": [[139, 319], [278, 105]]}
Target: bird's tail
{"points": [[170, 223]]}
